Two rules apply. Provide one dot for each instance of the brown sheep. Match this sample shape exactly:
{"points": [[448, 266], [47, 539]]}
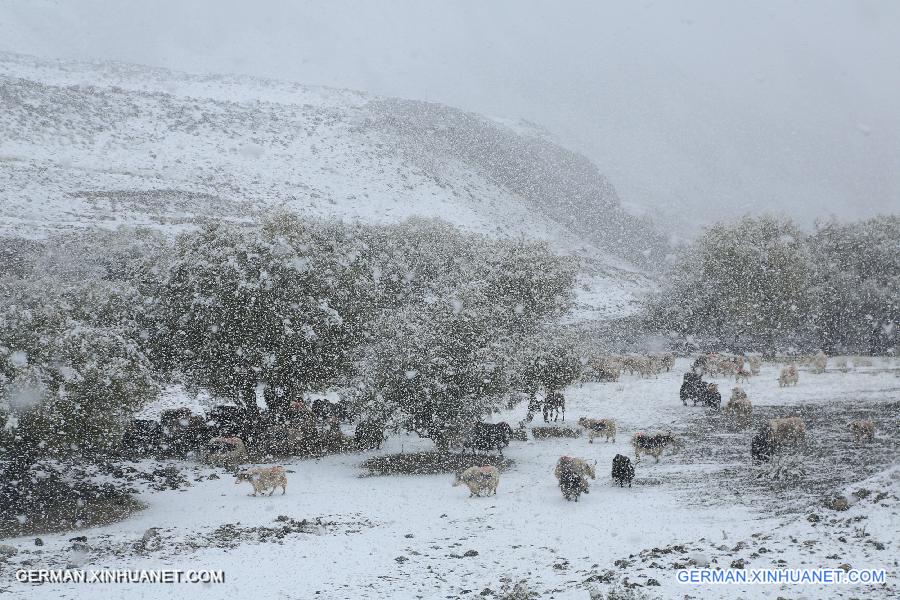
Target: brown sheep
{"points": [[579, 465], [598, 428], [264, 478], [789, 431], [863, 430], [652, 444]]}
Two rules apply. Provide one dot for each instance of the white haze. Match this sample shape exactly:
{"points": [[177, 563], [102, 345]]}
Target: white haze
{"points": [[695, 110]]}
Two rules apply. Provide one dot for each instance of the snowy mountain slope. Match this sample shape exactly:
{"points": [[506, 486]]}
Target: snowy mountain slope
{"points": [[109, 144]]}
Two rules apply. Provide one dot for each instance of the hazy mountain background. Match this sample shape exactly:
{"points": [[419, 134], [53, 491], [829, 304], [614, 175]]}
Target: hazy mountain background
{"points": [[693, 110]]}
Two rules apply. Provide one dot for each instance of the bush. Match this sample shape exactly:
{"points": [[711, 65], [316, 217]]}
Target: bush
{"points": [[431, 463]]}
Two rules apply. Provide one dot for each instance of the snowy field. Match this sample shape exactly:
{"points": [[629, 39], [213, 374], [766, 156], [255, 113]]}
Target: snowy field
{"points": [[418, 537]]}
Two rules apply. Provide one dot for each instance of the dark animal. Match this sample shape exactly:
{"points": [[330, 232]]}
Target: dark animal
{"points": [[369, 435], [534, 405], [622, 470], [572, 482], [490, 436], [710, 396], [142, 438], [699, 364], [227, 421], [554, 402], [183, 432], [762, 445], [322, 409], [691, 388], [343, 411], [325, 411]]}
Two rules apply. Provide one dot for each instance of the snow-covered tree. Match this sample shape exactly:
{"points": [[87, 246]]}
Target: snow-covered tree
{"points": [[71, 367], [284, 306], [445, 357], [857, 278], [550, 362], [744, 283]]}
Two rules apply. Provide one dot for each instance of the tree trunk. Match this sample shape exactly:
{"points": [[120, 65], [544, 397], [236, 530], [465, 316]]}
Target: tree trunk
{"points": [[248, 399]]}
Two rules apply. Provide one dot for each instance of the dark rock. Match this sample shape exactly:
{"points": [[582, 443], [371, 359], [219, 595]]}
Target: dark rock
{"points": [[652, 582], [739, 546], [38, 542], [738, 564], [487, 592], [845, 567], [838, 503], [401, 559], [813, 518], [470, 553], [409, 536]]}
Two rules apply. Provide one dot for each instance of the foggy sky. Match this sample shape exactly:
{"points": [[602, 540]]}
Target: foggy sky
{"points": [[697, 109]]}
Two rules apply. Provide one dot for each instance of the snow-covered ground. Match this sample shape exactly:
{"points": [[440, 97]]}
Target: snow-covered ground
{"points": [[409, 536]]}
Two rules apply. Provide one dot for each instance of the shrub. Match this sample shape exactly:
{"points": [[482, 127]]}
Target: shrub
{"points": [[431, 463]]}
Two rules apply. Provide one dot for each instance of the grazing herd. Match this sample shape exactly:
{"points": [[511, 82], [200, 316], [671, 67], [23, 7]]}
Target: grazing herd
{"points": [[573, 474], [219, 438]]}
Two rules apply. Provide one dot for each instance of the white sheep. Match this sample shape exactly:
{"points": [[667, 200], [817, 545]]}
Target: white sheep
{"points": [[479, 479]]}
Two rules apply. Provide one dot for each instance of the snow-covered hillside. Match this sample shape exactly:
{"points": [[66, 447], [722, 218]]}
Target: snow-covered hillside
{"points": [[107, 144]]}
